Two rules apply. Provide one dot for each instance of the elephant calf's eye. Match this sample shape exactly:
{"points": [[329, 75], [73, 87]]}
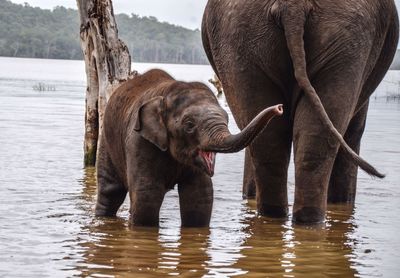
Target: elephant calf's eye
{"points": [[189, 127]]}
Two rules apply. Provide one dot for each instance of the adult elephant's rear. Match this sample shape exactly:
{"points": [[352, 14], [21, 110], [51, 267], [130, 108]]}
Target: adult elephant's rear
{"points": [[266, 52]]}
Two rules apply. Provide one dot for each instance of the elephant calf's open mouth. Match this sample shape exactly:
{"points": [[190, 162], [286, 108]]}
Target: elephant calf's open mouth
{"points": [[208, 159]]}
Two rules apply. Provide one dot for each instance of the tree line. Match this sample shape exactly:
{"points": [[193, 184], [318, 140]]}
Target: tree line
{"points": [[27, 31]]}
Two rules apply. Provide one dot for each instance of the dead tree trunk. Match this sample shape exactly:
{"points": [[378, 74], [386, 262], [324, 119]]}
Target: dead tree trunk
{"points": [[108, 63]]}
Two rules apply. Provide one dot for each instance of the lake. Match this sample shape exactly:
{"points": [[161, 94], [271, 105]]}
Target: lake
{"points": [[47, 198]]}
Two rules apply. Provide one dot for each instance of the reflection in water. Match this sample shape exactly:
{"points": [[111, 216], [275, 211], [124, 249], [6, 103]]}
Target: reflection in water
{"points": [[262, 246], [88, 189], [116, 249], [280, 248]]}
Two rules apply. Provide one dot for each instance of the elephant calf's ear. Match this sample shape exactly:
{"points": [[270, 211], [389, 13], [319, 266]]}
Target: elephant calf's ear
{"points": [[150, 123]]}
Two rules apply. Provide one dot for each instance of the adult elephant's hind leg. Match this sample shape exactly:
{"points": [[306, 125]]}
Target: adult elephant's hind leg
{"points": [[343, 181], [247, 95], [249, 184], [315, 148], [111, 192], [195, 199]]}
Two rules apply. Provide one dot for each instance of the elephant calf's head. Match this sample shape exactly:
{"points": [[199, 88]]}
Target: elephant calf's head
{"points": [[188, 122]]}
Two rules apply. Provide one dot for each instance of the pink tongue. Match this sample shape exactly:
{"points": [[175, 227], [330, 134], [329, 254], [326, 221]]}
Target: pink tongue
{"points": [[209, 158]]}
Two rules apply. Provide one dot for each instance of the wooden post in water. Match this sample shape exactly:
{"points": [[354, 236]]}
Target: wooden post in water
{"points": [[108, 63]]}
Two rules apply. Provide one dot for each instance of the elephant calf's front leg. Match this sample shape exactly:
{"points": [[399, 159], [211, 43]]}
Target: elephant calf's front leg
{"points": [[196, 200], [145, 205]]}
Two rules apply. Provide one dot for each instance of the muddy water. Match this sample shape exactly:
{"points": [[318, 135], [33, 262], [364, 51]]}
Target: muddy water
{"points": [[47, 227]]}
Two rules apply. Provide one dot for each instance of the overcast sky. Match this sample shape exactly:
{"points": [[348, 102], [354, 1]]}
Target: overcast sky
{"points": [[186, 13]]}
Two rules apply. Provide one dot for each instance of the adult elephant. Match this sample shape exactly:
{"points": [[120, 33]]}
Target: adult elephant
{"points": [[322, 59]]}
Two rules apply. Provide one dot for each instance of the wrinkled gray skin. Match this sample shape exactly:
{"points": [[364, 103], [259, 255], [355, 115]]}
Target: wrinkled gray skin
{"points": [[322, 59], [159, 132]]}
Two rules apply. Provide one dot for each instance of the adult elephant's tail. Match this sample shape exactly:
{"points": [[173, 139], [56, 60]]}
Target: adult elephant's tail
{"points": [[293, 16]]}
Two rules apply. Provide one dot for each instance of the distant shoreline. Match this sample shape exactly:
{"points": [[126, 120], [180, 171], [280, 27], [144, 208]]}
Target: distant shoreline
{"points": [[80, 60], [394, 67]]}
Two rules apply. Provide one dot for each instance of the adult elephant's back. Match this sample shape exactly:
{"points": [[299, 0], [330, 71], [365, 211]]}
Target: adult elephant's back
{"points": [[267, 51]]}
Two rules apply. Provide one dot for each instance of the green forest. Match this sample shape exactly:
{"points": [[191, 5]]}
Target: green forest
{"points": [[26, 31]]}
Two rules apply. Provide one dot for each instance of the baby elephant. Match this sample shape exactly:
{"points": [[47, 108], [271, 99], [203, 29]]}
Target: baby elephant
{"points": [[159, 132]]}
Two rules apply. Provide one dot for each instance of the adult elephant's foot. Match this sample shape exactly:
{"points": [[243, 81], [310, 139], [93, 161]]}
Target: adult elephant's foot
{"points": [[272, 211], [309, 215]]}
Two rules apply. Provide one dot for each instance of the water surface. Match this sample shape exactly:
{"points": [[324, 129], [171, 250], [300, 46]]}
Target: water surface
{"points": [[47, 227]]}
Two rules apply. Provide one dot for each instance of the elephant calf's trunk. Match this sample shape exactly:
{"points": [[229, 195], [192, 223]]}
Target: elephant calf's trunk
{"points": [[234, 143]]}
